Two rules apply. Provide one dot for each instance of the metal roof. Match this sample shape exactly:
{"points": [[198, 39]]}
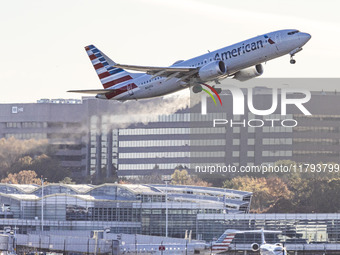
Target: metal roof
{"points": [[22, 196], [140, 188], [25, 188], [208, 198], [204, 189], [79, 188], [136, 188]]}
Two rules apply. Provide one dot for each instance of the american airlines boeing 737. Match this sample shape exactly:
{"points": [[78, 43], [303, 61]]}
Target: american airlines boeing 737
{"points": [[241, 61]]}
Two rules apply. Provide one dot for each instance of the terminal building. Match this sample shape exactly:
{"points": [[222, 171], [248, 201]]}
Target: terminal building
{"points": [[141, 209], [94, 137], [126, 208]]}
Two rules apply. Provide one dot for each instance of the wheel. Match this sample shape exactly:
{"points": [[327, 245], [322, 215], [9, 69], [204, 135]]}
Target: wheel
{"points": [[292, 61], [197, 88], [218, 90]]}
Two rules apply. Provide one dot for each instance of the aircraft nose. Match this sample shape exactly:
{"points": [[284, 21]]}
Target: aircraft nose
{"points": [[304, 37]]}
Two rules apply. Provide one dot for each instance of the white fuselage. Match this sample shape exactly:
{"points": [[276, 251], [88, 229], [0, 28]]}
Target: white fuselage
{"points": [[235, 57], [271, 249]]}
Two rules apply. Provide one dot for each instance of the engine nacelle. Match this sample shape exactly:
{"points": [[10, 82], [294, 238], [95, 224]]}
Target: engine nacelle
{"points": [[249, 73], [212, 70], [255, 247]]}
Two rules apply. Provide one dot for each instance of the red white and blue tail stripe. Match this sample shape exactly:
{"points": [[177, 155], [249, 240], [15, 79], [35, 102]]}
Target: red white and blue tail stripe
{"points": [[109, 76], [223, 243]]}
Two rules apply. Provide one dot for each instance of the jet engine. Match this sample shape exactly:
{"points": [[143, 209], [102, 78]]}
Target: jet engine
{"points": [[249, 73], [212, 70], [255, 247]]}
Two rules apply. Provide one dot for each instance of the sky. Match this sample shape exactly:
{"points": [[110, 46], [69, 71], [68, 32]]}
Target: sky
{"points": [[43, 41]]}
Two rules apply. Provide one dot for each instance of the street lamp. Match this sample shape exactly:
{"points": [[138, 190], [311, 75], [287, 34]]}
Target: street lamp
{"points": [[166, 206], [42, 202]]}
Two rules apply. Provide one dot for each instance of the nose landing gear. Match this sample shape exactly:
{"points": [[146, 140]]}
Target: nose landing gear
{"points": [[292, 53]]}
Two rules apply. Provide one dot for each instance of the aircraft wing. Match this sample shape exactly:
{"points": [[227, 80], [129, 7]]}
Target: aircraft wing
{"points": [[156, 68], [92, 91], [170, 72]]}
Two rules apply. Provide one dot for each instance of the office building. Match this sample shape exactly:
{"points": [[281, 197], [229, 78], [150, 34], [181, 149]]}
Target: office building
{"points": [[98, 138]]}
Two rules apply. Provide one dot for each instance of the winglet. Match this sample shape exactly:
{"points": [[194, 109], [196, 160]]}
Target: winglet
{"points": [[262, 236]]}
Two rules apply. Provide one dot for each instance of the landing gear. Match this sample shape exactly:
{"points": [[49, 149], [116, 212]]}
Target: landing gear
{"points": [[218, 90], [292, 53], [197, 88], [217, 81]]}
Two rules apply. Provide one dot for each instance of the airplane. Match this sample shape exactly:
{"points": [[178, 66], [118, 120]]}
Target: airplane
{"points": [[241, 61], [224, 243]]}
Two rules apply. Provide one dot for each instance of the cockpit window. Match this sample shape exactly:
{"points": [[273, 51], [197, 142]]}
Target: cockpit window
{"points": [[293, 32]]}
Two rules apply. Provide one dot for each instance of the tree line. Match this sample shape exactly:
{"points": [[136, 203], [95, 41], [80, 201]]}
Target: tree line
{"points": [[25, 161]]}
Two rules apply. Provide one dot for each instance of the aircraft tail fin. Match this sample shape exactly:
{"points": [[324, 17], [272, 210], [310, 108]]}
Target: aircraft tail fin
{"points": [[224, 241], [109, 75]]}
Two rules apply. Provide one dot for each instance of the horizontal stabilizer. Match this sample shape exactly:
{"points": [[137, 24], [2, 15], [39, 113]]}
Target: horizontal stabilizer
{"points": [[92, 91]]}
